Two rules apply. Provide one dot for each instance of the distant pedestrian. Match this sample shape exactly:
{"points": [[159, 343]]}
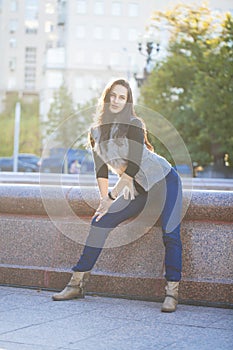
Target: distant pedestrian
{"points": [[75, 167], [119, 142]]}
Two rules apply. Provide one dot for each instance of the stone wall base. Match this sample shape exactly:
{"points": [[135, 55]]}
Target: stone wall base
{"points": [[121, 286], [43, 231]]}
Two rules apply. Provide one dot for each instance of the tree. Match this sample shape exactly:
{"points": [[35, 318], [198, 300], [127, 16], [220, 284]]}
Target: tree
{"points": [[30, 140], [67, 124], [212, 95], [59, 125], [192, 86]]}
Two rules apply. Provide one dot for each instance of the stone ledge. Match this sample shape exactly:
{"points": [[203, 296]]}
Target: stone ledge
{"points": [[35, 252], [123, 286], [33, 199]]}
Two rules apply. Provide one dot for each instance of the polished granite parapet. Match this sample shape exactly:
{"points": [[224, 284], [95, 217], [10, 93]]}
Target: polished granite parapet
{"points": [[41, 238], [62, 200], [211, 205]]}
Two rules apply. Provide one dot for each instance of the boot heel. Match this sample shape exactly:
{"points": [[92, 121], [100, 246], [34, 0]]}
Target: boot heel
{"points": [[171, 298], [75, 289]]}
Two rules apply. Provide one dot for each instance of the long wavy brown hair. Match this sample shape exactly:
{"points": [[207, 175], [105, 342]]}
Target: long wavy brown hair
{"points": [[103, 117]]}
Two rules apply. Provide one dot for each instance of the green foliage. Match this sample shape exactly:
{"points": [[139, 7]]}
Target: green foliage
{"points": [[67, 124], [192, 87], [60, 116], [29, 141]]}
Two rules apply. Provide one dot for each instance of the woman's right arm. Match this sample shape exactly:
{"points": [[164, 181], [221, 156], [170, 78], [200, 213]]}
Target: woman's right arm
{"points": [[103, 186], [101, 170]]}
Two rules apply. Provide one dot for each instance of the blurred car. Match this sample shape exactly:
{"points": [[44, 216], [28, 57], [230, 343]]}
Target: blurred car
{"points": [[6, 164], [184, 170], [83, 161], [52, 165], [29, 158], [78, 161]]}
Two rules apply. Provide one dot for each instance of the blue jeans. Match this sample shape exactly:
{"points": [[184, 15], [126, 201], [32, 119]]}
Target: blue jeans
{"points": [[170, 222]]}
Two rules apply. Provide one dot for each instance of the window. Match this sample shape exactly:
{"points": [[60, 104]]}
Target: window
{"points": [[81, 6], [49, 8], [30, 68], [99, 8], [116, 8], [50, 44], [13, 25], [133, 9], [31, 16], [14, 5], [115, 33], [30, 54], [12, 43], [132, 34], [59, 42], [29, 77], [80, 32], [31, 10], [49, 27], [12, 63], [29, 30], [98, 33], [61, 12]]}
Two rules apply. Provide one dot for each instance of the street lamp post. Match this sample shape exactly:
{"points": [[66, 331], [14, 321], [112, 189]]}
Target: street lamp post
{"points": [[147, 46], [16, 136]]}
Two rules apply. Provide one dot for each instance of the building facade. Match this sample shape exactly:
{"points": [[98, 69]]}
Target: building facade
{"points": [[97, 41], [82, 43], [26, 28]]}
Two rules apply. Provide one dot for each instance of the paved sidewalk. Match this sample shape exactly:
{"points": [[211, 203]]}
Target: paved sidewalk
{"points": [[30, 320]]}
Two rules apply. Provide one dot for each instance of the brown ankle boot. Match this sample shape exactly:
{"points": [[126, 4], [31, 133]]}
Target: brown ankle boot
{"points": [[171, 298], [75, 287]]}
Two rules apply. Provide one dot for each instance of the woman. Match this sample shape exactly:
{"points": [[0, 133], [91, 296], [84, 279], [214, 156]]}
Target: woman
{"points": [[119, 142]]}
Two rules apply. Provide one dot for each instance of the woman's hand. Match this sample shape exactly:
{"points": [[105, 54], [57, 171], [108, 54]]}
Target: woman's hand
{"points": [[103, 207], [126, 186]]}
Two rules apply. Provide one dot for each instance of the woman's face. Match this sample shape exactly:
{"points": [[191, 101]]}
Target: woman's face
{"points": [[118, 98]]}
